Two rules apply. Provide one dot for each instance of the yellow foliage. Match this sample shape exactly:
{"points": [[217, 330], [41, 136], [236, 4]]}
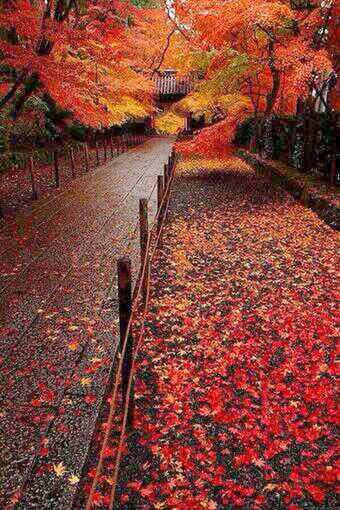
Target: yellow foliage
{"points": [[200, 102], [169, 123], [188, 165], [229, 101], [125, 109], [196, 102]]}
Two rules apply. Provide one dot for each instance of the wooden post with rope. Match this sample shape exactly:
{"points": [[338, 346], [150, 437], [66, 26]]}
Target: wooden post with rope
{"points": [[144, 234], [170, 162], [166, 175], [125, 300], [87, 159], [124, 295], [71, 157], [56, 168], [97, 153], [111, 146], [160, 192], [105, 149]]}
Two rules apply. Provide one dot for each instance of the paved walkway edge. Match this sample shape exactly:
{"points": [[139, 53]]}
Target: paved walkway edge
{"points": [[311, 193]]}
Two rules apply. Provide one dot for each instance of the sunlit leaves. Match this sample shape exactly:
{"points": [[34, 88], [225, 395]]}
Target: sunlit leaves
{"points": [[265, 50], [73, 479], [76, 56], [169, 123], [217, 138], [59, 469]]}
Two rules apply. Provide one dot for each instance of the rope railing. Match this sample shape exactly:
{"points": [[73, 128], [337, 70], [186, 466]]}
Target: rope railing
{"points": [[29, 160], [142, 291]]}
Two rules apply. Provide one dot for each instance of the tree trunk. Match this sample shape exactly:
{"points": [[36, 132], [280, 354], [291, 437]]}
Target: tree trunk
{"points": [[271, 97], [7, 97], [307, 141]]}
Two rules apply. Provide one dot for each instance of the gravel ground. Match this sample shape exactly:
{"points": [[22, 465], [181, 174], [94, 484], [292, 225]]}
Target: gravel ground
{"points": [[59, 317], [235, 388]]}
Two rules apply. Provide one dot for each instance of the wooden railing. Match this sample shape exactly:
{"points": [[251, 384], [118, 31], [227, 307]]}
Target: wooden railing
{"points": [[69, 158]]}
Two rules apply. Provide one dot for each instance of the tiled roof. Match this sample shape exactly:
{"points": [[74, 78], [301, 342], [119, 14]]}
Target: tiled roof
{"points": [[170, 84]]}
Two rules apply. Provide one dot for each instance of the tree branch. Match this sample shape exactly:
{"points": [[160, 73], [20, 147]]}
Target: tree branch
{"points": [[180, 29], [63, 16], [7, 97], [271, 97], [167, 44], [270, 35]]}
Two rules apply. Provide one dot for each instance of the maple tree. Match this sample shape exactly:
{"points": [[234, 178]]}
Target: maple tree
{"points": [[73, 51], [271, 52], [96, 58]]}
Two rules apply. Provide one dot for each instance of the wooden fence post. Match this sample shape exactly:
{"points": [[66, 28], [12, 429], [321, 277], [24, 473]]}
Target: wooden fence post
{"points": [[166, 176], [111, 146], [56, 168], [144, 227], [160, 190], [169, 163], [87, 159], [124, 296], [173, 159], [144, 234], [31, 171], [97, 153], [71, 156], [105, 149]]}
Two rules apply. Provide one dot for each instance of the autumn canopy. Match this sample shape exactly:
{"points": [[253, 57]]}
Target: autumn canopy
{"points": [[97, 59]]}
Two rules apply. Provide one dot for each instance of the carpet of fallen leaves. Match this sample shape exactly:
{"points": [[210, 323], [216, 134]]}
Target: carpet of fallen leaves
{"points": [[235, 386]]}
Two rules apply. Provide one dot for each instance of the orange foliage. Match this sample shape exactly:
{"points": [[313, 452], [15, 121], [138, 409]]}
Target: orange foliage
{"points": [[88, 57], [264, 49], [76, 53], [217, 139]]}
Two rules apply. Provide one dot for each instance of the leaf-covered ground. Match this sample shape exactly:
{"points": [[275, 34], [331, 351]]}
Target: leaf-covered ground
{"points": [[235, 390], [321, 195]]}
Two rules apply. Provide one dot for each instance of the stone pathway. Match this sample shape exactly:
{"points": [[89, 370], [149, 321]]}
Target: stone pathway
{"points": [[59, 317]]}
